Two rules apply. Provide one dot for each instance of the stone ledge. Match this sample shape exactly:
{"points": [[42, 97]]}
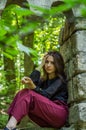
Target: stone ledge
{"points": [[45, 128], [37, 128], [40, 128], [27, 124]]}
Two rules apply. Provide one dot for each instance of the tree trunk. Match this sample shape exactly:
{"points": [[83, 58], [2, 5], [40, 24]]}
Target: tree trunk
{"points": [[9, 68], [28, 63]]}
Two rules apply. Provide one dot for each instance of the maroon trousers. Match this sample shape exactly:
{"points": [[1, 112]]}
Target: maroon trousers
{"points": [[41, 110]]}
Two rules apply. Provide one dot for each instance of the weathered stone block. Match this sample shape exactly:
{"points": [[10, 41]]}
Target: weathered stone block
{"points": [[37, 128], [41, 3], [77, 88], [81, 126], [70, 69], [72, 127], [74, 45], [79, 24], [76, 65], [66, 50], [70, 92], [77, 10], [78, 41], [2, 4], [72, 29], [78, 113]]}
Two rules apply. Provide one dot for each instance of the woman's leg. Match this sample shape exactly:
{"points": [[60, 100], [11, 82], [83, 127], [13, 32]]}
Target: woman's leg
{"points": [[12, 120], [11, 124], [47, 113], [40, 109]]}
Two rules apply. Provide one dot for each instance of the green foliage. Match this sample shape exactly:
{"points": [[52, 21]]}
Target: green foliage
{"points": [[14, 24], [4, 102], [13, 28], [3, 120], [46, 37]]}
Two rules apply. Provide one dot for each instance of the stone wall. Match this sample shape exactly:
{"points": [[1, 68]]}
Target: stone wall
{"points": [[73, 49]]}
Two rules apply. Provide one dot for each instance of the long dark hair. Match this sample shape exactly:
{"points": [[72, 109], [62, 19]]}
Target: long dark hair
{"points": [[59, 65]]}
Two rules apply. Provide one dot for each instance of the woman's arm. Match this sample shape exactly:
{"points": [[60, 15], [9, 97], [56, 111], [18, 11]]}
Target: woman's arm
{"points": [[35, 77], [33, 80], [29, 82], [42, 63]]}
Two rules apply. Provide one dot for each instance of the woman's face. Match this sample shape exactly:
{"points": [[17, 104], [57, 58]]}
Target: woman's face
{"points": [[49, 65]]}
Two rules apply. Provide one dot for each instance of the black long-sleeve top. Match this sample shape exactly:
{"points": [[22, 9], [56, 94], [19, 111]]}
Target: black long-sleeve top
{"points": [[54, 89]]}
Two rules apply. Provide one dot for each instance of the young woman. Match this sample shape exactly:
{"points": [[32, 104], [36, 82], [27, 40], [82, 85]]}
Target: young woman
{"points": [[45, 99]]}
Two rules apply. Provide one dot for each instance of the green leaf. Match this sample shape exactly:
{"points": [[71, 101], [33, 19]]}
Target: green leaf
{"points": [[83, 11], [8, 55], [22, 11], [2, 31], [33, 52], [29, 28]]}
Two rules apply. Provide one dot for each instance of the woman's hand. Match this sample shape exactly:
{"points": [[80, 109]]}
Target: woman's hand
{"points": [[42, 63], [27, 80]]}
